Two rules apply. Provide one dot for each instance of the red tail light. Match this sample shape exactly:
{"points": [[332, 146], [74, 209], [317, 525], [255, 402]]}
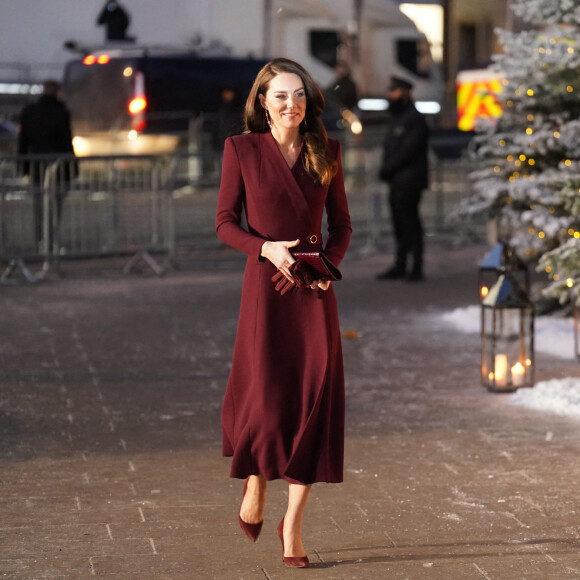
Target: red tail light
{"points": [[92, 59], [137, 105]]}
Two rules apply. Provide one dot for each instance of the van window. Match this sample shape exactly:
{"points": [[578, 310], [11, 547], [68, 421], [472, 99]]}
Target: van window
{"points": [[97, 95], [324, 46], [415, 56]]}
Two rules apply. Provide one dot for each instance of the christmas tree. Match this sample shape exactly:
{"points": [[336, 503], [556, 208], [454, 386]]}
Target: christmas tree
{"points": [[529, 176]]}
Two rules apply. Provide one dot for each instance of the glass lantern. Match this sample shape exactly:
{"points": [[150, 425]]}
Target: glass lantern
{"points": [[507, 337], [499, 260]]}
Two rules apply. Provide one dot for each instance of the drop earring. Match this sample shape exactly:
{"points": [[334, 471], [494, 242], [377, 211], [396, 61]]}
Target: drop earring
{"points": [[268, 119]]}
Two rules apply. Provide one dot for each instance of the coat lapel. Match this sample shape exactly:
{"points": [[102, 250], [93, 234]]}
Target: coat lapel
{"points": [[275, 170]]}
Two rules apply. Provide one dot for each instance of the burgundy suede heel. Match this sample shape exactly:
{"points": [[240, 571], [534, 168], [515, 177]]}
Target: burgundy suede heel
{"points": [[251, 530], [291, 561]]}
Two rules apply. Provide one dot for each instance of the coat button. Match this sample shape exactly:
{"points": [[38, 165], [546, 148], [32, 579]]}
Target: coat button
{"points": [[313, 238]]}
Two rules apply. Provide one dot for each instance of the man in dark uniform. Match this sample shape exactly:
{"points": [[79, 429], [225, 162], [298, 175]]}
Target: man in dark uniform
{"points": [[116, 20], [45, 128], [405, 168]]}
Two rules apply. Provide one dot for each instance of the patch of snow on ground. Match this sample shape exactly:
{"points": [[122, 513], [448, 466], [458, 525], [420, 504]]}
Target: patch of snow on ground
{"points": [[554, 336], [561, 396], [465, 319]]}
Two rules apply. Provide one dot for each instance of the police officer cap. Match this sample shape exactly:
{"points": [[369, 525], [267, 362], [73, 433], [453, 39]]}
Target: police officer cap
{"points": [[399, 83]]}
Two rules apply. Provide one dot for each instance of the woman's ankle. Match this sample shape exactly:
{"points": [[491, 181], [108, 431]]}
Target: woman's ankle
{"points": [[293, 546], [252, 508]]}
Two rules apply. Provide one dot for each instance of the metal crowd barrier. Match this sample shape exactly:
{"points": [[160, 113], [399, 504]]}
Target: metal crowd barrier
{"points": [[368, 196], [68, 207], [143, 207]]}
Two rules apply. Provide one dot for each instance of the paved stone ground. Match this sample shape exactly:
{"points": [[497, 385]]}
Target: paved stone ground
{"points": [[110, 393]]}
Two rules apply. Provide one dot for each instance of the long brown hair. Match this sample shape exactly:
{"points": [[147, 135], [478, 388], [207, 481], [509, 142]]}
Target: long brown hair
{"points": [[312, 130]]}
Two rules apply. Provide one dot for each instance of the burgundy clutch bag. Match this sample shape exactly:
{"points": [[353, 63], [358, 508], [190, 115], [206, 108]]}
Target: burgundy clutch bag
{"points": [[317, 265], [311, 264]]}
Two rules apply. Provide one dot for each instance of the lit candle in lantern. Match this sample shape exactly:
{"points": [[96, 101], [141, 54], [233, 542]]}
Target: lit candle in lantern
{"points": [[518, 374], [501, 369]]}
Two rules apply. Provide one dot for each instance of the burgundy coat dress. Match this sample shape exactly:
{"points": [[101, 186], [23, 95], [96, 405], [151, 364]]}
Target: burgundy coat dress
{"points": [[283, 410]]}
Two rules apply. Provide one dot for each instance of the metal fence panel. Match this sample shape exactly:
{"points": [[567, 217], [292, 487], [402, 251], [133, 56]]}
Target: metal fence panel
{"points": [[136, 205], [86, 207]]}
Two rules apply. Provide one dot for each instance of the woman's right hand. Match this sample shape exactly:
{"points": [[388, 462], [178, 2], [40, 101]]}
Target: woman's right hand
{"points": [[279, 254]]}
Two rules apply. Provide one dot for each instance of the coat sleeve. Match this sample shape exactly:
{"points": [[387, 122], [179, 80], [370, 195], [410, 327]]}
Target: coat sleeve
{"points": [[230, 206], [66, 133], [338, 216]]}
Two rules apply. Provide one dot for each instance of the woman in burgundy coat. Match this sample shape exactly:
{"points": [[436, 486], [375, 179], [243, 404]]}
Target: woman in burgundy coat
{"points": [[283, 410]]}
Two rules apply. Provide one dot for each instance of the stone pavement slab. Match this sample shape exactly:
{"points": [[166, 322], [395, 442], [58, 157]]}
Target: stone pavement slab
{"points": [[110, 465]]}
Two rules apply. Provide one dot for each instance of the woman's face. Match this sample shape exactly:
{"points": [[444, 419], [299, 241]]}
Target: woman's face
{"points": [[285, 100]]}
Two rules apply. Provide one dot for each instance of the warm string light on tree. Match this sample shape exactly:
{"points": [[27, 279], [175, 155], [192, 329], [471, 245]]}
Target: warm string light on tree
{"points": [[529, 172]]}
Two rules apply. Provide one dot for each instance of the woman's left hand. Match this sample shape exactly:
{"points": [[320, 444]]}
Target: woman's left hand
{"points": [[320, 285]]}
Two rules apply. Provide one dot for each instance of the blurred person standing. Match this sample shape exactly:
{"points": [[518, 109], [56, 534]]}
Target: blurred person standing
{"points": [[343, 89], [116, 20], [228, 118], [45, 128], [405, 167], [283, 410]]}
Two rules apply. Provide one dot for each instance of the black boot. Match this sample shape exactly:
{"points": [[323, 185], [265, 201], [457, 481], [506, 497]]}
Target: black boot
{"points": [[416, 274], [394, 273]]}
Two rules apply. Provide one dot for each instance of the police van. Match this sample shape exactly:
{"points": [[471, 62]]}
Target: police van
{"points": [[140, 101]]}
